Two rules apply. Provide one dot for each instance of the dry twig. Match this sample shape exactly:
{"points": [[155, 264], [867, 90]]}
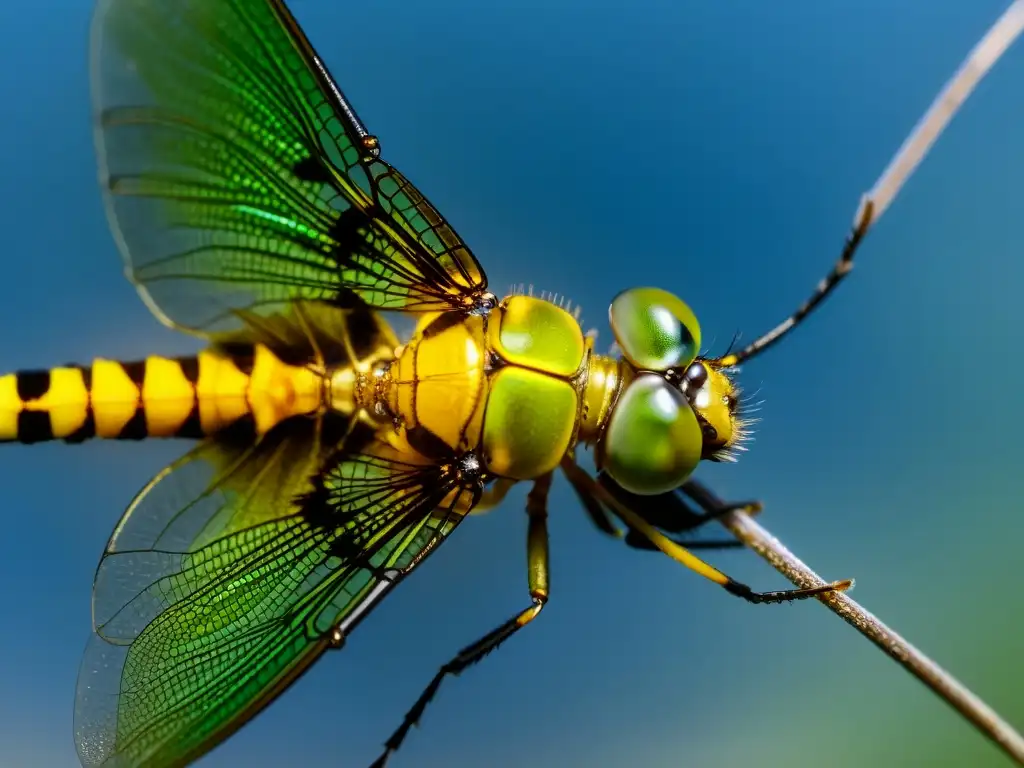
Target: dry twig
{"points": [[746, 529], [976, 711]]}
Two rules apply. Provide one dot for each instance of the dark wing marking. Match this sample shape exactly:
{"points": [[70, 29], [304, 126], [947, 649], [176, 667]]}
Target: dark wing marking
{"points": [[232, 572], [306, 332]]}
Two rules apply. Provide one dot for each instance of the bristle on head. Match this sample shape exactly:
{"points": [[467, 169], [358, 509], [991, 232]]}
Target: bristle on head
{"points": [[742, 425]]}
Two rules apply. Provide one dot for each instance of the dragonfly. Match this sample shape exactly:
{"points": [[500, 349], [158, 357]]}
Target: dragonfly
{"points": [[255, 212]]}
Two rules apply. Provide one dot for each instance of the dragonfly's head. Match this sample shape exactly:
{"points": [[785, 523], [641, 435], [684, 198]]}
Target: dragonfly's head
{"points": [[675, 407]]}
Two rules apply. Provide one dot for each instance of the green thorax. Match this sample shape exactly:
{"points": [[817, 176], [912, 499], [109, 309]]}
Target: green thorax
{"points": [[537, 361], [509, 385]]}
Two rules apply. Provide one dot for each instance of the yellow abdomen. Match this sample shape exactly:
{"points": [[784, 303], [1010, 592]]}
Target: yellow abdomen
{"points": [[156, 397]]}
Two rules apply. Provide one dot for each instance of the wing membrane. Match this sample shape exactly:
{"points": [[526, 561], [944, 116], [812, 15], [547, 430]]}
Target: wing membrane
{"points": [[238, 176], [206, 609]]}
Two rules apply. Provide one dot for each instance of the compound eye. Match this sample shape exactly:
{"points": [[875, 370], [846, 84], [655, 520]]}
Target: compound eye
{"points": [[655, 329], [653, 442]]}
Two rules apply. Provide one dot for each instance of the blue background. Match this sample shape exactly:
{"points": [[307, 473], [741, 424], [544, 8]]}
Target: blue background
{"points": [[715, 149]]}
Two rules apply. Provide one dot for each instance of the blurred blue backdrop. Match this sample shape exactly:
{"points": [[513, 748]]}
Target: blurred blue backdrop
{"points": [[718, 150]]}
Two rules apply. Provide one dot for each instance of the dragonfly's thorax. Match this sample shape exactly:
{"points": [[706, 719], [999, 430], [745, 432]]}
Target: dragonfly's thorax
{"points": [[516, 385], [604, 381]]}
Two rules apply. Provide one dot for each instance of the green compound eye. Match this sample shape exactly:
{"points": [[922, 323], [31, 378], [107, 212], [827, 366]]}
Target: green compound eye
{"points": [[653, 442], [655, 329]]}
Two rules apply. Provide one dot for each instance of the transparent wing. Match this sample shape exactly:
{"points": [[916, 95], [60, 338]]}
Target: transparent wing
{"points": [[237, 175], [232, 572]]}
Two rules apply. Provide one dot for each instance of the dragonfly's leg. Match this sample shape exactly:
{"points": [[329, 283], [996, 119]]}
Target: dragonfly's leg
{"points": [[602, 519], [537, 576], [594, 507], [711, 509], [711, 506], [682, 555], [492, 496], [639, 541]]}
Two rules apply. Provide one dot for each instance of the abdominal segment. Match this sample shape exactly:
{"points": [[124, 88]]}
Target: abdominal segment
{"points": [[157, 397]]}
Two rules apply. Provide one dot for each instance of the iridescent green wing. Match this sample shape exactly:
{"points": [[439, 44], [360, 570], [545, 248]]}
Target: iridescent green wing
{"points": [[232, 572], [237, 175]]}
